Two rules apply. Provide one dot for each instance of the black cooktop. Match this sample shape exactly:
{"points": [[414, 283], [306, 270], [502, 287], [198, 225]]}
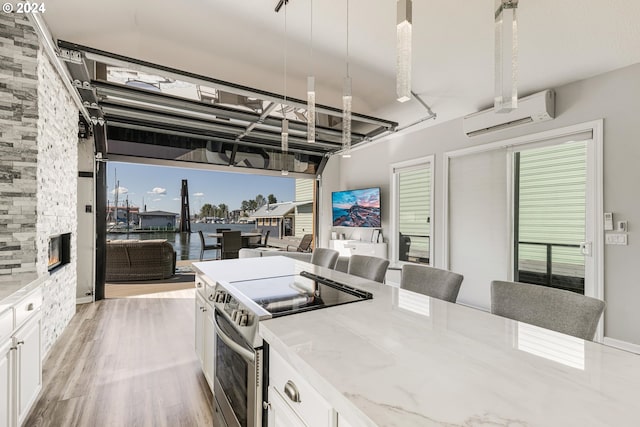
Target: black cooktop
{"points": [[293, 294]]}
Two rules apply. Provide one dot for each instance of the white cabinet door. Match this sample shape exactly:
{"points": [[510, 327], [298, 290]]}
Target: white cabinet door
{"points": [[209, 345], [28, 365], [280, 414], [6, 383], [342, 422], [199, 331]]}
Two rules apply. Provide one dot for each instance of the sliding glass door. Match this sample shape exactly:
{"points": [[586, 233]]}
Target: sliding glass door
{"points": [[550, 214]]}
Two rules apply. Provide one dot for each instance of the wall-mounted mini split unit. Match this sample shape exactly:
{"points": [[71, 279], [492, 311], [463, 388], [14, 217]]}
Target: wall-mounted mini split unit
{"points": [[538, 107]]}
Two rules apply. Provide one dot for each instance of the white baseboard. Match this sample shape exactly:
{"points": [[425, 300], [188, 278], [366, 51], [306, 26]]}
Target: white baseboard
{"points": [[84, 300], [622, 345]]}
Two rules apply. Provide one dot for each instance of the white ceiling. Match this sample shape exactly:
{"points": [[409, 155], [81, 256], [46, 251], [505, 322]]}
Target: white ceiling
{"points": [[243, 41]]}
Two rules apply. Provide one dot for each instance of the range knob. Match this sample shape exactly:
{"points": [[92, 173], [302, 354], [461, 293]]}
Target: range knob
{"points": [[220, 296], [235, 314], [243, 319]]}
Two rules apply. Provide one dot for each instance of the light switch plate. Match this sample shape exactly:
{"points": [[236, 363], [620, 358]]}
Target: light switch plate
{"points": [[616, 239], [608, 221]]}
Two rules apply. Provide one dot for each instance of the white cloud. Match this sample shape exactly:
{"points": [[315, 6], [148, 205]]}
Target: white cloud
{"points": [[198, 194], [121, 190], [158, 190], [156, 200], [176, 199]]}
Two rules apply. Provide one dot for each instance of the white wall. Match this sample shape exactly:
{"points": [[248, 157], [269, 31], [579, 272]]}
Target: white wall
{"points": [[613, 96], [56, 196]]}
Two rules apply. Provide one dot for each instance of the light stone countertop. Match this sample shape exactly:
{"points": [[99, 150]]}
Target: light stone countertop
{"points": [[403, 359], [17, 286]]}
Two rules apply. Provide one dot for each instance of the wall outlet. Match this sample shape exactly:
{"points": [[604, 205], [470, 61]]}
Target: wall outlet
{"points": [[622, 226], [616, 239]]}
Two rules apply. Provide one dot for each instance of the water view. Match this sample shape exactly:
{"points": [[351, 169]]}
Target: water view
{"points": [[187, 246]]}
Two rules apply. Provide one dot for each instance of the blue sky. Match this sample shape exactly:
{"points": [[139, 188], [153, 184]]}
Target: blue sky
{"points": [[159, 186]]}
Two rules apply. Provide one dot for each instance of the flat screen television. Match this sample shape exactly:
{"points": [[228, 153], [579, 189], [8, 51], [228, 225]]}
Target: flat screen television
{"points": [[356, 208]]}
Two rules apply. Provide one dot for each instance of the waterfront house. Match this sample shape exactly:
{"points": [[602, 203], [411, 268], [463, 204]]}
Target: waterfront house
{"points": [[159, 220]]}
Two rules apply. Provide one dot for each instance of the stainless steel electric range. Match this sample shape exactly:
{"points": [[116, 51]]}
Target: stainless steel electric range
{"points": [[239, 350]]}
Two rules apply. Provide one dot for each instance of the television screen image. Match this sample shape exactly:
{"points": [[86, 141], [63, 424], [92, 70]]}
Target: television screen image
{"points": [[356, 208]]}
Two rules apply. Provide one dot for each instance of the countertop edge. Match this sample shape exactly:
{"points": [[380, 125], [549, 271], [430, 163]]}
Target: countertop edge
{"points": [[336, 399], [22, 291]]}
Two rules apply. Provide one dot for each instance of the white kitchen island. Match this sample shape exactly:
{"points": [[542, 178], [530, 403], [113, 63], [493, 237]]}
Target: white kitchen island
{"points": [[403, 359]]}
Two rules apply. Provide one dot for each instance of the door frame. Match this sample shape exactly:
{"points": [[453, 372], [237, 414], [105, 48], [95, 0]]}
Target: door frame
{"points": [[395, 203], [595, 190]]}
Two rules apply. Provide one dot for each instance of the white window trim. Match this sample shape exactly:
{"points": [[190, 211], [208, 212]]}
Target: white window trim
{"points": [[596, 127], [393, 238]]}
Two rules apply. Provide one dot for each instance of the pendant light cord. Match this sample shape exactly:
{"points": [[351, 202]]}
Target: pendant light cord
{"points": [[348, 38], [285, 55], [311, 35]]}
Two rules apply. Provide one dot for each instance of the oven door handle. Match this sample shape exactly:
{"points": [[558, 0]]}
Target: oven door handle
{"points": [[249, 356]]}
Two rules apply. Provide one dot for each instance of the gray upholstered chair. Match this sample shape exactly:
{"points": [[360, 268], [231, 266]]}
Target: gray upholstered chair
{"points": [[550, 308], [369, 267], [433, 282], [324, 257]]}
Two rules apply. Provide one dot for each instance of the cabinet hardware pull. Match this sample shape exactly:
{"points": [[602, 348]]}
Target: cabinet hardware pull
{"points": [[266, 405], [198, 285], [291, 391], [20, 343], [30, 306]]}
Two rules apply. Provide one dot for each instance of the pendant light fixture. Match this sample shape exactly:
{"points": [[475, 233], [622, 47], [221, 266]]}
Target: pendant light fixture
{"points": [[403, 50], [346, 103], [506, 56], [311, 91], [284, 147]]}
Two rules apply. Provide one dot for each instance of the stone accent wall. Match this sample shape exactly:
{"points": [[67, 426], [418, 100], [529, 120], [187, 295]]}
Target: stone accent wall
{"points": [[57, 195], [18, 147], [38, 170]]}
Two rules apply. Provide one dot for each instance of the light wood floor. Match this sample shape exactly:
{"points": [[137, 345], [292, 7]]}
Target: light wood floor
{"points": [[126, 362], [145, 289]]}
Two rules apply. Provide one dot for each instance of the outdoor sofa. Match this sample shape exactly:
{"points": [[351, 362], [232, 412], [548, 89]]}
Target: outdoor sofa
{"points": [[133, 260]]}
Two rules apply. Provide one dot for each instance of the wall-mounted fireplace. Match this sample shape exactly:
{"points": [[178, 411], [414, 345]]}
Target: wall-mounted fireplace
{"points": [[59, 251]]}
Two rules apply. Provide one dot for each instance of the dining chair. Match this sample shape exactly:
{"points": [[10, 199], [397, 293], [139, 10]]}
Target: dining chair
{"points": [[430, 281], [231, 244], [325, 257], [263, 240], [556, 309], [369, 267], [206, 247], [304, 245]]}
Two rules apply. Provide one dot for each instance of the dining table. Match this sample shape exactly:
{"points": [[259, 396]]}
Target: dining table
{"points": [[246, 235]]}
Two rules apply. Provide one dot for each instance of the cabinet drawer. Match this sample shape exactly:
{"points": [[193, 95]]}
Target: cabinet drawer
{"points": [[6, 323], [28, 306], [311, 408]]}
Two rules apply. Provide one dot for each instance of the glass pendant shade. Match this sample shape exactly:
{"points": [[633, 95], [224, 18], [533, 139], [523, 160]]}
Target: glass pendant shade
{"points": [[506, 56], [403, 51], [311, 110], [285, 146], [346, 118]]}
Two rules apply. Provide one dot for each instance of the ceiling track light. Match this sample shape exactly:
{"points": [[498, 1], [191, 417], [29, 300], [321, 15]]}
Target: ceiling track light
{"points": [[403, 50], [506, 56]]}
